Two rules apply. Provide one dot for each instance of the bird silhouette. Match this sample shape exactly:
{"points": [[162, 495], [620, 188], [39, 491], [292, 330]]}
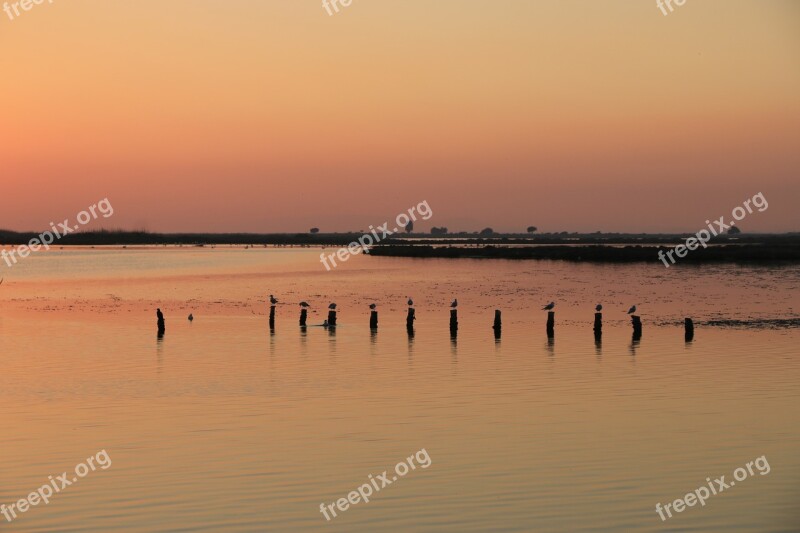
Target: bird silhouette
{"points": [[373, 306], [598, 307], [410, 301], [273, 300], [632, 310], [454, 304], [549, 306], [332, 306], [191, 317], [304, 305]]}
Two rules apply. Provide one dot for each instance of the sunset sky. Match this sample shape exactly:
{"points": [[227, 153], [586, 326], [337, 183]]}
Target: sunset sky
{"points": [[272, 116]]}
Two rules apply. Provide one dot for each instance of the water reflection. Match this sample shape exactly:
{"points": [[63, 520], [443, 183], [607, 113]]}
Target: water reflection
{"points": [[159, 351], [373, 342], [635, 341], [295, 415], [550, 346]]}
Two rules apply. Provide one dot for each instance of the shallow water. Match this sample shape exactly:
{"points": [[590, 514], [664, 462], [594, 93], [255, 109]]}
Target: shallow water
{"points": [[223, 425]]}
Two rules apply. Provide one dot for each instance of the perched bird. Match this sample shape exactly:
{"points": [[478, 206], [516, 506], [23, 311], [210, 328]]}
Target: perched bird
{"points": [[632, 310], [410, 301], [332, 306], [272, 299], [598, 307], [373, 306], [454, 304], [549, 306], [191, 317], [304, 305]]}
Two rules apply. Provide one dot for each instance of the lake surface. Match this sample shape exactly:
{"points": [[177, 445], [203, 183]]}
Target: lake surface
{"points": [[224, 425]]}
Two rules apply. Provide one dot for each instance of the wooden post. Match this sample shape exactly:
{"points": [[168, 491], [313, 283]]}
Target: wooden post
{"points": [[637, 325], [332, 317], [303, 317], [272, 316], [551, 323], [689, 329], [410, 318], [160, 322], [373, 320], [498, 324], [453, 320], [598, 325]]}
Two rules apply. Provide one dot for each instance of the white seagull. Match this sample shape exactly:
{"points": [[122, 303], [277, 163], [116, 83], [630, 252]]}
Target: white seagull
{"points": [[549, 306]]}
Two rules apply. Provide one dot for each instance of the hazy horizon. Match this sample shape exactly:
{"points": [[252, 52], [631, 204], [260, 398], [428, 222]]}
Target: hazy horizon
{"points": [[269, 117]]}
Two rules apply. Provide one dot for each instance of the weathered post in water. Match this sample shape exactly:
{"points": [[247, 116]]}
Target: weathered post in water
{"points": [[332, 317], [373, 320], [161, 324], [598, 325], [689, 329], [498, 324], [453, 320], [551, 323], [637, 325], [272, 316], [303, 317], [410, 318]]}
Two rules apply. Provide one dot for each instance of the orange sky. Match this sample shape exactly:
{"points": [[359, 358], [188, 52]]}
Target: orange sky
{"points": [[261, 116]]}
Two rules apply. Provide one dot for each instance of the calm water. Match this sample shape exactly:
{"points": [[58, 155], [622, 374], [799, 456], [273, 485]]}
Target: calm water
{"points": [[223, 425]]}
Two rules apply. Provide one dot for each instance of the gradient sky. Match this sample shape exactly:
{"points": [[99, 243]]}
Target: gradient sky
{"points": [[271, 116]]}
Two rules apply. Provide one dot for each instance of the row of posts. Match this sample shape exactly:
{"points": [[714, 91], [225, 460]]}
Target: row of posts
{"points": [[636, 322]]}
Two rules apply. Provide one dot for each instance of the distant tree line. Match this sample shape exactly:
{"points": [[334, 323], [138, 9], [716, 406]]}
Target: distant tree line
{"points": [[409, 228]]}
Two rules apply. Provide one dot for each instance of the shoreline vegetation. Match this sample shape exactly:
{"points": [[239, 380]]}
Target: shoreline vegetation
{"points": [[588, 247], [601, 253]]}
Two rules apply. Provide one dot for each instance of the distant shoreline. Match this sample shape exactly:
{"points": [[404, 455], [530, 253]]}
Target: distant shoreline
{"points": [[592, 247], [598, 253]]}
